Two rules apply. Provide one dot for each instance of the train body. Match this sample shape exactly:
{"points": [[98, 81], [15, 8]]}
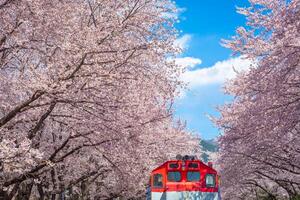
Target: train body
{"points": [[184, 179]]}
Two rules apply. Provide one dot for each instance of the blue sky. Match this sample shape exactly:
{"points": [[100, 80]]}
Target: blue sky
{"points": [[203, 25]]}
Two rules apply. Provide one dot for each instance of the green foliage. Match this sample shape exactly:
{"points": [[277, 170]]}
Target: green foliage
{"points": [[297, 197], [207, 147], [265, 196]]}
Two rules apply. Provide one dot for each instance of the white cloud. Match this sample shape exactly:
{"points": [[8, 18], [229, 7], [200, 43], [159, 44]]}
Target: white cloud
{"points": [[183, 42], [188, 62], [217, 74]]}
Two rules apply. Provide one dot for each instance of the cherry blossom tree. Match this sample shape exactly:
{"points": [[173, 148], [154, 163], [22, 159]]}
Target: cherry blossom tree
{"points": [[86, 97], [260, 147]]}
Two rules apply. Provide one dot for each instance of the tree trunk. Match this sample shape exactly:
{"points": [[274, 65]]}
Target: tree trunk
{"points": [[24, 191], [3, 195], [41, 192]]}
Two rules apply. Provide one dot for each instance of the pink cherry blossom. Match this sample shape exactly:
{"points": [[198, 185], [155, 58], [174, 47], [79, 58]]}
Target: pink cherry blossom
{"points": [[86, 97], [260, 147]]}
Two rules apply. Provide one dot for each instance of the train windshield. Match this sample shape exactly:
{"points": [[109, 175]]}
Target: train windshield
{"points": [[210, 180], [158, 180], [174, 176], [193, 176]]}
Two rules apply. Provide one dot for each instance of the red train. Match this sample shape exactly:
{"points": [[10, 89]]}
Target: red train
{"points": [[185, 178]]}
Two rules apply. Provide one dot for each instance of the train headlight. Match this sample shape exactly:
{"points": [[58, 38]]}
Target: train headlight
{"points": [[183, 165]]}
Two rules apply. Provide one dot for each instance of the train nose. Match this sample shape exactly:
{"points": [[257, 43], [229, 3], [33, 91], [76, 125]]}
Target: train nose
{"points": [[186, 196], [189, 195]]}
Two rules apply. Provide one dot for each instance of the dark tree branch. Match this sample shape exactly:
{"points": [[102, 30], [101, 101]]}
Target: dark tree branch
{"points": [[19, 108], [37, 127]]}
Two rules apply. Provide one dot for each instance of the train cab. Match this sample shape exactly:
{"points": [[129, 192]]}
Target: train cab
{"points": [[185, 178]]}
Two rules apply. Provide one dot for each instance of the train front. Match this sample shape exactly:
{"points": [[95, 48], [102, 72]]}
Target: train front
{"points": [[184, 179]]}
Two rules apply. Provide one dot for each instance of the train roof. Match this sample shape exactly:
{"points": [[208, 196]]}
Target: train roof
{"points": [[202, 165]]}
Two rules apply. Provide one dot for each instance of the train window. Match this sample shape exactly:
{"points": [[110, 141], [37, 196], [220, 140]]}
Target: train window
{"points": [[210, 180], [193, 165], [174, 176], [173, 165], [193, 176], [157, 180]]}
